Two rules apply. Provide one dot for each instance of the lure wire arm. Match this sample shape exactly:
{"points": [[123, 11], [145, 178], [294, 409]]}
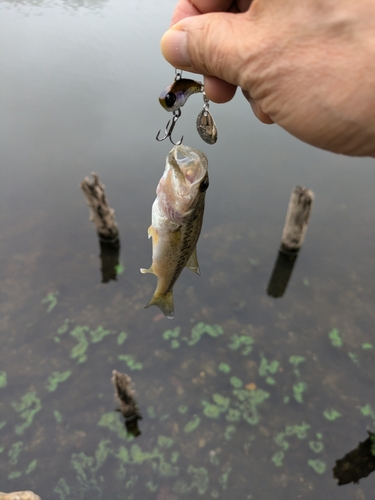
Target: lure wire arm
{"points": [[169, 129]]}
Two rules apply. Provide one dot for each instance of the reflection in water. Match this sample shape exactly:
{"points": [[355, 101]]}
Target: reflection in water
{"points": [[73, 4], [356, 464], [128, 405], [109, 257], [281, 273]]}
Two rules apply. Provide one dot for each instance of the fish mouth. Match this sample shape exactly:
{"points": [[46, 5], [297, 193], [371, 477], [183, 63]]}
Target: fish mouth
{"points": [[188, 165]]}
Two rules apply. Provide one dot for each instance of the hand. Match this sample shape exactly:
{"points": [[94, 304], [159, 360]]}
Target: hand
{"points": [[307, 65]]}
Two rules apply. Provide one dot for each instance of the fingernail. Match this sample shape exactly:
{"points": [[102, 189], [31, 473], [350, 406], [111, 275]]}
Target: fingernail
{"points": [[174, 48]]}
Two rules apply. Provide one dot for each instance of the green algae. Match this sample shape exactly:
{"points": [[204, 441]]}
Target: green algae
{"points": [[223, 479], [248, 402], [3, 378], [64, 327], [214, 410], [182, 409], [32, 466], [131, 363], [112, 422], [278, 458], [335, 338], [2, 424], [165, 442], [172, 334], [79, 351], [119, 269], [55, 379], [51, 300], [241, 341], [298, 389], [367, 411], [138, 456], [223, 367], [58, 416], [200, 329], [296, 360], [236, 382], [354, 358], [316, 446], [233, 415], [27, 408], [62, 489], [99, 334], [331, 414], [318, 466], [266, 368], [151, 486], [300, 431], [151, 411], [192, 424], [122, 336], [366, 346], [86, 467], [14, 452], [229, 431], [14, 475], [200, 479]]}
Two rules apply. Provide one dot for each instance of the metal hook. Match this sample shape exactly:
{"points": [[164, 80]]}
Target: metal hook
{"points": [[169, 129]]}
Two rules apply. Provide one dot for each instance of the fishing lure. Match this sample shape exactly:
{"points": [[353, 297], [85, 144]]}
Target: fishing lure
{"points": [[174, 97]]}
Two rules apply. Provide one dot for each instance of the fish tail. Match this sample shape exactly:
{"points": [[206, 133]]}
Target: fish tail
{"points": [[164, 303]]}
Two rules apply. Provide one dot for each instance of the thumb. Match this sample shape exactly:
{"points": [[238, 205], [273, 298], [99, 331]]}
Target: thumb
{"points": [[209, 44]]}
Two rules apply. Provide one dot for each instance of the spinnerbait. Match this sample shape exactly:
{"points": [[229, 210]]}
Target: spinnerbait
{"points": [[175, 96]]}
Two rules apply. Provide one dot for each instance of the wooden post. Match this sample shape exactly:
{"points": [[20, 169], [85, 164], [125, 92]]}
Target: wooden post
{"points": [[101, 214], [103, 217], [124, 395], [297, 218], [294, 232]]}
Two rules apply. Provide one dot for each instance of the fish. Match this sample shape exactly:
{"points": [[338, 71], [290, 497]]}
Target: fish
{"points": [[176, 221], [175, 95]]}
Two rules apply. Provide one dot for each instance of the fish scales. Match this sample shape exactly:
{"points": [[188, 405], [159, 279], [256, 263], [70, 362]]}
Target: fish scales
{"points": [[177, 216]]}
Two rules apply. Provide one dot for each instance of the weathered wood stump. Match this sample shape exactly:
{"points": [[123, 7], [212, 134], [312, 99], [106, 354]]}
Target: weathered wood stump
{"points": [[103, 217], [297, 219], [101, 214], [125, 396], [293, 235]]}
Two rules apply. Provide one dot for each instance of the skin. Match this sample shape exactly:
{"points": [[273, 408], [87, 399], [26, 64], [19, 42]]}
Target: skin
{"points": [[307, 65]]}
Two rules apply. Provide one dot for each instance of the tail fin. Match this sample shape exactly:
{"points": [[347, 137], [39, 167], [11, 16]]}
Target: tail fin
{"points": [[164, 303]]}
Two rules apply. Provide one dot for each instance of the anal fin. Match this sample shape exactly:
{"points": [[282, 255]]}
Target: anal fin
{"points": [[192, 263]]}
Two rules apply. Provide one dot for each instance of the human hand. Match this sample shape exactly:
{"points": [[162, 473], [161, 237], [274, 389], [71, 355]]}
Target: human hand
{"points": [[308, 65]]}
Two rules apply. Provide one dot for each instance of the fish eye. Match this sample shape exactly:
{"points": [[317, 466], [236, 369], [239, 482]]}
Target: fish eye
{"points": [[204, 185], [170, 99]]}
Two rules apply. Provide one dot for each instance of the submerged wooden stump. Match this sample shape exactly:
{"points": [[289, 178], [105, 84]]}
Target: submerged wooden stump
{"points": [[101, 214], [293, 235], [103, 217], [125, 396]]}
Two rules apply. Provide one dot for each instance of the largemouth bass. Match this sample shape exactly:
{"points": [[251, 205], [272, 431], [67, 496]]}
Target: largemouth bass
{"points": [[177, 216]]}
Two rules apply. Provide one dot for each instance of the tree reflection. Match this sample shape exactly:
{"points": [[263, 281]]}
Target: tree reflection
{"points": [[356, 464]]}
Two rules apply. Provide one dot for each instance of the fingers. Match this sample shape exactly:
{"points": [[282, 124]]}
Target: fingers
{"points": [[209, 44], [218, 90]]}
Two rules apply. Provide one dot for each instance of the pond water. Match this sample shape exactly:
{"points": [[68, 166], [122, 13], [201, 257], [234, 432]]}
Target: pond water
{"points": [[242, 395]]}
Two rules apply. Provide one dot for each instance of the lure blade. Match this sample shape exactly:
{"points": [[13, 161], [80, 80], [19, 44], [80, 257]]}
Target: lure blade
{"points": [[206, 127]]}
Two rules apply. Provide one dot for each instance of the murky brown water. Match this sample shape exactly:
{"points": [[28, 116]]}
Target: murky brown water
{"points": [[242, 395]]}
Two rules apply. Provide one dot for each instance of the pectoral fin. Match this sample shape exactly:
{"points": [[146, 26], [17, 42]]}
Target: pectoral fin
{"points": [[152, 233], [164, 303], [192, 263], [145, 271]]}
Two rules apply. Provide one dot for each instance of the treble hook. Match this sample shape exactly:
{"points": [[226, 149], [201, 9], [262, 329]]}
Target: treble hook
{"points": [[168, 131]]}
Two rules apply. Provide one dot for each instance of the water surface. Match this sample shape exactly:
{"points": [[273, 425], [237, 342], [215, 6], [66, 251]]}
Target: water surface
{"points": [[241, 394]]}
